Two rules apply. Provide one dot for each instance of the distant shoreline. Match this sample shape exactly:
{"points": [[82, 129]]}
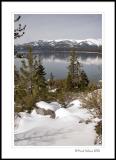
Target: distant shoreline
{"points": [[84, 52]]}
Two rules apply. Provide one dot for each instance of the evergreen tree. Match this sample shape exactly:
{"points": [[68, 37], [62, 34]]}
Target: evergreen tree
{"points": [[40, 80], [24, 92], [77, 78], [74, 70], [16, 82], [27, 72], [84, 80], [32, 84], [51, 81], [16, 76], [69, 84]]}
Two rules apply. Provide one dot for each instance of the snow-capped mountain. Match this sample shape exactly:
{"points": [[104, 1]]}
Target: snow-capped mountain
{"points": [[69, 42], [97, 42], [91, 45]]}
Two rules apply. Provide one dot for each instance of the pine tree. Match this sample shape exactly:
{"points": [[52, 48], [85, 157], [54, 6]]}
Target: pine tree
{"points": [[24, 92], [74, 70], [32, 84], [16, 82], [77, 78], [84, 80], [16, 75], [27, 72], [69, 84], [51, 81], [40, 80]]}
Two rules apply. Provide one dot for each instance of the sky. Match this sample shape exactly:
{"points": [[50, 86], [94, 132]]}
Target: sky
{"points": [[59, 26]]}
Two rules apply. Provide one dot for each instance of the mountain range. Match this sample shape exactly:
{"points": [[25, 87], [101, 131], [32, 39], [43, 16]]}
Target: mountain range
{"points": [[88, 45]]}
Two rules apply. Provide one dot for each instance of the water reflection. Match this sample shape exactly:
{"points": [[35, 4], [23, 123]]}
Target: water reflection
{"points": [[58, 64]]}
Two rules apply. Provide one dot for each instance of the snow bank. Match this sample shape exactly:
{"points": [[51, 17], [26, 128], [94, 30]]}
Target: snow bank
{"points": [[75, 103], [96, 120], [46, 106], [65, 129], [62, 112], [16, 121], [28, 122], [81, 113], [55, 105], [34, 113]]}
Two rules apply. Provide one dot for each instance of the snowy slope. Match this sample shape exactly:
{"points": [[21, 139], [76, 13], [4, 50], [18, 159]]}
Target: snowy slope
{"points": [[90, 41], [61, 44], [47, 106], [97, 42], [68, 128]]}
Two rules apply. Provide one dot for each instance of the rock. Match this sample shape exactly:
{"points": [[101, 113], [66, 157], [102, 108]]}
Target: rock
{"points": [[43, 111], [81, 121], [88, 121]]}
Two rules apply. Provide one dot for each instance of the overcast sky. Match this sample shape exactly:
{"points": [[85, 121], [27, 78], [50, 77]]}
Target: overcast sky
{"points": [[60, 26]]}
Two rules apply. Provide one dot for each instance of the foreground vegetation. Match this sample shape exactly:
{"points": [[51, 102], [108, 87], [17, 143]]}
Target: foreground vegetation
{"points": [[31, 85]]}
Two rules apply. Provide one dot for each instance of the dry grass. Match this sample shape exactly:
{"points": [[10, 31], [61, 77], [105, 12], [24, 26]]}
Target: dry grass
{"points": [[93, 101]]}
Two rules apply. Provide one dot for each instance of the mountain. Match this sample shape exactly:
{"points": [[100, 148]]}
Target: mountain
{"points": [[89, 45]]}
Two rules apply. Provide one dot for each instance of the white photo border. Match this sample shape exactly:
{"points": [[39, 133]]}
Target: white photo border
{"points": [[8, 11]]}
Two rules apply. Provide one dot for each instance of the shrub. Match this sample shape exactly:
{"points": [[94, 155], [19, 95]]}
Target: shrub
{"points": [[18, 109], [92, 86], [98, 128], [94, 101]]}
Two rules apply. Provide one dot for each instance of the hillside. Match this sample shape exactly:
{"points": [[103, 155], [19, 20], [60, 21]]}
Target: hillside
{"points": [[88, 45]]}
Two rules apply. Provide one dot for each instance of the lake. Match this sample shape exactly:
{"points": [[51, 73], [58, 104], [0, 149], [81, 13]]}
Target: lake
{"points": [[58, 63]]}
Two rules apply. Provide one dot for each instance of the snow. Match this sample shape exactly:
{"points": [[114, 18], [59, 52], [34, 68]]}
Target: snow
{"points": [[90, 41], [96, 119], [67, 129], [45, 106], [98, 42], [70, 42], [28, 122], [60, 40], [53, 90], [62, 112], [76, 103], [55, 105], [34, 113], [35, 44]]}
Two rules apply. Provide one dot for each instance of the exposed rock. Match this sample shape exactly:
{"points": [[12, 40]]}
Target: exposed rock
{"points": [[43, 111], [88, 121], [81, 121]]}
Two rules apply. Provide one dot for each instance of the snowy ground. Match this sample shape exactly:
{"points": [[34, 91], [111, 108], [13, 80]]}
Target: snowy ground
{"points": [[69, 128]]}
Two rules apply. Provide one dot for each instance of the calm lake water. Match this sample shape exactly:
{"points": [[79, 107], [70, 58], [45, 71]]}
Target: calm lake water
{"points": [[57, 64]]}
